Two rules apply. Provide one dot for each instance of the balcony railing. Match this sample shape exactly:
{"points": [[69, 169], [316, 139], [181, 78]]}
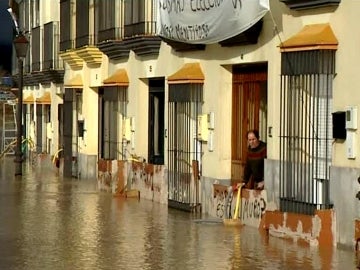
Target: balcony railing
{"points": [[53, 64], [115, 33], [35, 66], [141, 28], [67, 44], [51, 46], [85, 40]]}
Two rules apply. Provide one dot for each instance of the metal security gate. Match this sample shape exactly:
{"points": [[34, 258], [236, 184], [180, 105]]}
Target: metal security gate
{"points": [[184, 149], [305, 130], [112, 111]]}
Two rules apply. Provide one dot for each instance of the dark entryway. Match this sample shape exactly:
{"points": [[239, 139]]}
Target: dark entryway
{"points": [[156, 121], [72, 107]]}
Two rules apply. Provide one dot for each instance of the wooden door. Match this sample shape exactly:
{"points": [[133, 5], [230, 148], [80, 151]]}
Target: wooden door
{"points": [[249, 107]]}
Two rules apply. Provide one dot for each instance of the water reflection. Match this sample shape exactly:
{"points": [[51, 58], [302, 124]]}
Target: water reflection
{"points": [[52, 223]]}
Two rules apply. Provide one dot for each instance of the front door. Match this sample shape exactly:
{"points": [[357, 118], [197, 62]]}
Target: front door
{"points": [[249, 111]]}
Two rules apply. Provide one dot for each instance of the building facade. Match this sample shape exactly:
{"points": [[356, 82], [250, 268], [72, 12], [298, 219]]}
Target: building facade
{"points": [[105, 81]]}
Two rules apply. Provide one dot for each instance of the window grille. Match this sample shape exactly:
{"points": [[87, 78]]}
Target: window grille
{"points": [[66, 30], [140, 17], [83, 24], [185, 102], [36, 48], [109, 19], [305, 130], [113, 107]]}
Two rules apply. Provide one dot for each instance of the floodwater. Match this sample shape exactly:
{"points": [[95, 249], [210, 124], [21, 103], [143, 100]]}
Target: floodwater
{"points": [[47, 222]]}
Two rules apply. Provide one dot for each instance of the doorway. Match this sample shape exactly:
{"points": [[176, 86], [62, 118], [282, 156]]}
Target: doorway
{"points": [[72, 108], [156, 121], [249, 111]]}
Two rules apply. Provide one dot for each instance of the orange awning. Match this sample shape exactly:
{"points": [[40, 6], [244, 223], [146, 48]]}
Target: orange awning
{"points": [[119, 78], [44, 99], [189, 73], [75, 82], [311, 37], [29, 99]]}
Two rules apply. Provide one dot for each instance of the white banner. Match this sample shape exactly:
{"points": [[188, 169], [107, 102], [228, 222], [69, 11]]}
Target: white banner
{"points": [[207, 21]]}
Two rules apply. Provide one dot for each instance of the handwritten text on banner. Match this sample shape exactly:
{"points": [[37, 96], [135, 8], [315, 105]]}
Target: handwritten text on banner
{"points": [[207, 21]]}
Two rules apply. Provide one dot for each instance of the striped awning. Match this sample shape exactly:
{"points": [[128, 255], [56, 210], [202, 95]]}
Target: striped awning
{"points": [[189, 73]]}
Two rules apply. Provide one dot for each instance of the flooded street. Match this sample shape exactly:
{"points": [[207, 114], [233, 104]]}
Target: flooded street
{"points": [[47, 222]]}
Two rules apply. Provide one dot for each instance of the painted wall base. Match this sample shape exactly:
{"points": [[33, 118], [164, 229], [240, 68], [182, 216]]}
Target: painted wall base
{"points": [[118, 176], [316, 230]]}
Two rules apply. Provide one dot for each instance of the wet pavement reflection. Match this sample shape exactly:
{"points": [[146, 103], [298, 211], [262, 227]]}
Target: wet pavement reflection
{"points": [[47, 222]]}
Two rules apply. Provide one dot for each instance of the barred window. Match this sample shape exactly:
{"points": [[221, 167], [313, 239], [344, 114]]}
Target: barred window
{"points": [[305, 130], [113, 102], [185, 102]]}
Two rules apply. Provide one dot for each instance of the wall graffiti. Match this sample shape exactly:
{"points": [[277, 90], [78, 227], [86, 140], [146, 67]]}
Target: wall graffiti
{"points": [[253, 204], [220, 195], [220, 209], [253, 208]]}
